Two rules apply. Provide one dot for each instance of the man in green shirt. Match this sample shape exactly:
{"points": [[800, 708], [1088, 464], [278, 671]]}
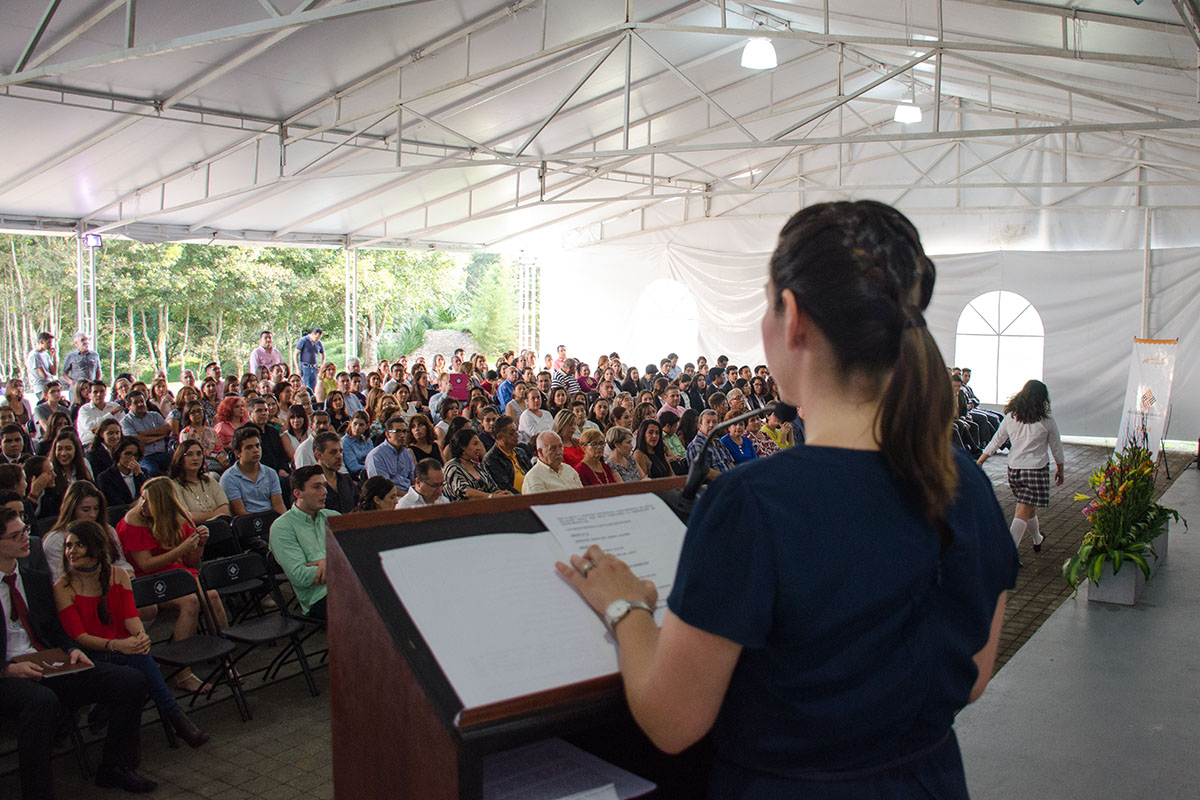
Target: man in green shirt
{"points": [[298, 540]]}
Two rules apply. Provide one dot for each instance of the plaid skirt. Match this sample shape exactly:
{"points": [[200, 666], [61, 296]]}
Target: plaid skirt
{"points": [[1030, 486]]}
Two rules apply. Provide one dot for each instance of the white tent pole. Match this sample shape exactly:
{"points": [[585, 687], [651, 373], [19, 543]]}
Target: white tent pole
{"points": [[1146, 267]]}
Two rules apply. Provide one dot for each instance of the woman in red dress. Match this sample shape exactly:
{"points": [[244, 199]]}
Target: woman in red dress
{"points": [[158, 535]]}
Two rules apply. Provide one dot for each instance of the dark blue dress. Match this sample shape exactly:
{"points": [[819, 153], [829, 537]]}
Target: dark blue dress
{"points": [[858, 634]]}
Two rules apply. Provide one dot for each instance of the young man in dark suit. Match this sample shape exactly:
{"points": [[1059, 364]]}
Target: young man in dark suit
{"points": [[31, 624]]}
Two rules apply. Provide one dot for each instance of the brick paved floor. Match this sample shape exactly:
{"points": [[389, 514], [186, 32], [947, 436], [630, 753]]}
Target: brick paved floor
{"points": [[284, 752]]}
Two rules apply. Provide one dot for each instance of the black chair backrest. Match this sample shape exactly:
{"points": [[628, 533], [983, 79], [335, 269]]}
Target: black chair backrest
{"points": [[160, 587], [248, 526], [235, 569], [117, 513]]}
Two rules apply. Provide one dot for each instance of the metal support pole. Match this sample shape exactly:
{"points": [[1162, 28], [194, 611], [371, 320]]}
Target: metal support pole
{"points": [[351, 313], [1146, 271], [80, 295]]}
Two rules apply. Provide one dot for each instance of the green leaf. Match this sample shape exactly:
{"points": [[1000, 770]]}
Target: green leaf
{"points": [[1095, 568], [1141, 562]]}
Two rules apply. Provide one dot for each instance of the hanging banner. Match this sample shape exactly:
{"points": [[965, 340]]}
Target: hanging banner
{"points": [[1148, 395]]}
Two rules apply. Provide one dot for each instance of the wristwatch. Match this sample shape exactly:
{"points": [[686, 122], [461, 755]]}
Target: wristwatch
{"points": [[618, 609]]}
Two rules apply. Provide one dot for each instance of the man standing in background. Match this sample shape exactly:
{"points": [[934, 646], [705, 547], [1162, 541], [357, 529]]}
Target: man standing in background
{"points": [[80, 364], [41, 363], [310, 354]]}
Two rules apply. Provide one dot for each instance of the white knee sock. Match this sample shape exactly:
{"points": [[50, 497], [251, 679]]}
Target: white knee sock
{"points": [[1018, 530], [1032, 525]]}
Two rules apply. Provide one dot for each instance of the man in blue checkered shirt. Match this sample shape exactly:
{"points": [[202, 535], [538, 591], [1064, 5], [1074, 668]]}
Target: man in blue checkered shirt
{"points": [[718, 457]]}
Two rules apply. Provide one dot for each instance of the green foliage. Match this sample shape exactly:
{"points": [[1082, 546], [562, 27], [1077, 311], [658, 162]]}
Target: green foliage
{"points": [[227, 294]]}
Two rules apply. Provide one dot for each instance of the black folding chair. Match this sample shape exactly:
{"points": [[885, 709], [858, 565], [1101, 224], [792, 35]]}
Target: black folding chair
{"points": [[202, 648], [252, 531], [117, 513], [263, 629]]}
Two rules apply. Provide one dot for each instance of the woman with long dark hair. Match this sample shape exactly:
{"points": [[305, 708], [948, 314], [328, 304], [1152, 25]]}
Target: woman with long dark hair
{"points": [[839, 669], [96, 609], [1030, 428], [651, 452]]}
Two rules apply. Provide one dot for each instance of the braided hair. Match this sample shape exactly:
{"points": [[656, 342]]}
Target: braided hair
{"points": [[857, 269]]}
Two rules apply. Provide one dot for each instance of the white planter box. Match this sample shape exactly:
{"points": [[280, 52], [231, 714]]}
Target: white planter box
{"points": [[1126, 586]]}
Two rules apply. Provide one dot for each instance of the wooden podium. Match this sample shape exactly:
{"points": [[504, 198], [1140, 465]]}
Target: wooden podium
{"points": [[399, 729]]}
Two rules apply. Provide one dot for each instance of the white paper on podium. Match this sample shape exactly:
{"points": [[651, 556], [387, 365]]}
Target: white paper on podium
{"points": [[553, 769], [497, 617], [639, 529]]}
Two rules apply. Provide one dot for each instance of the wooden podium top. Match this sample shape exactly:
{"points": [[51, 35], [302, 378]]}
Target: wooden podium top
{"points": [[360, 538]]}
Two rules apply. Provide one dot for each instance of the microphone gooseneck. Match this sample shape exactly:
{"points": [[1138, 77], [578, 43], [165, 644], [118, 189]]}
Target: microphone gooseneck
{"points": [[699, 467]]}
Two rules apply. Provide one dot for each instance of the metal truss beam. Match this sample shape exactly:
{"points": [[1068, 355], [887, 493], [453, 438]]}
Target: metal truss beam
{"points": [[1190, 14], [38, 31], [83, 27], [272, 25], [906, 44]]}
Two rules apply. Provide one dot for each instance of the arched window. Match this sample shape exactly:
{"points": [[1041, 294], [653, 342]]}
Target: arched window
{"points": [[1001, 339]]}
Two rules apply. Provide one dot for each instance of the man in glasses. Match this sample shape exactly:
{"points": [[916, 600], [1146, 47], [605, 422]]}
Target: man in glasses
{"points": [[31, 625], [392, 459], [427, 487]]}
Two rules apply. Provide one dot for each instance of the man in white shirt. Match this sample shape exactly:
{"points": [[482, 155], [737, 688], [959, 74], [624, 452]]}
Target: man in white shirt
{"points": [[305, 457], [427, 486], [95, 412], [550, 474]]}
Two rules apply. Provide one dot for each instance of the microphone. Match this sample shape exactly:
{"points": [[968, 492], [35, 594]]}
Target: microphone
{"points": [[699, 468]]}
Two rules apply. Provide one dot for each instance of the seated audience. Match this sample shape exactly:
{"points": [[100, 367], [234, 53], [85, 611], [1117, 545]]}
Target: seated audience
{"points": [[298, 538], [777, 432], [422, 439], [356, 445], [550, 474], [90, 415], [12, 444], [377, 494], [619, 445], [58, 422], [195, 429], [201, 496], [230, 416], [392, 459], [717, 459], [305, 456], [533, 420], [506, 462], [297, 429], [650, 452], [427, 486], [740, 446], [466, 478], [103, 451], [592, 469], [96, 609], [158, 535], [82, 503], [51, 402], [122, 482], [151, 430], [515, 406], [339, 486], [564, 426], [274, 454], [251, 487], [40, 477], [36, 704], [763, 444], [69, 465], [336, 409]]}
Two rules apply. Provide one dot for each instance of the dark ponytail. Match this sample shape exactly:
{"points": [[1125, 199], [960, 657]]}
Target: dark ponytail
{"points": [[859, 272]]}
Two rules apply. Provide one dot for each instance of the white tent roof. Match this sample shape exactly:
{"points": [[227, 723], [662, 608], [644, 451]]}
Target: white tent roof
{"points": [[548, 121]]}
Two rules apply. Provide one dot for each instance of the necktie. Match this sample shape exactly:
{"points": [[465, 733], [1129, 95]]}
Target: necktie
{"points": [[20, 611]]}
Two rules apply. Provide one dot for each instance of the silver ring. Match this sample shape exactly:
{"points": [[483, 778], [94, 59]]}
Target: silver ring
{"points": [[588, 566]]}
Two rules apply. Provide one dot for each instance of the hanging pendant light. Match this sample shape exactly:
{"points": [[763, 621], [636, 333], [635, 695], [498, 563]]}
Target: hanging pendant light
{"points": [[907, 113], [759, 53]]}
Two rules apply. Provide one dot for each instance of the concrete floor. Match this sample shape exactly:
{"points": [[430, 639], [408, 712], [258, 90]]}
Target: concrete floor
{"points": [[1101, 703], [284, 752]]}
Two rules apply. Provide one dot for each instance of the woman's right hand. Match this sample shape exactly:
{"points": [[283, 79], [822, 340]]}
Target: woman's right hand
{"points": [[41, 483]]}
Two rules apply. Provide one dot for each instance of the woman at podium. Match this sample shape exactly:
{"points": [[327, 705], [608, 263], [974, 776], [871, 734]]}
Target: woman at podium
{"points": [[835, 604]]}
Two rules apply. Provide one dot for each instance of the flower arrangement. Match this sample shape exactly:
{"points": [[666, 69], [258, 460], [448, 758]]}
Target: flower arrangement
{"points": [[1124, 518]]}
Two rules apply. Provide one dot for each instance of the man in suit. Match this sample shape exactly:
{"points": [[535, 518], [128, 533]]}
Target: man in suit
{"points": [[31, 624]]}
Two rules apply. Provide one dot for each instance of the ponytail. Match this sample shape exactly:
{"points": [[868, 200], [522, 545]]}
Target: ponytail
{"points": [[915, 418]]}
